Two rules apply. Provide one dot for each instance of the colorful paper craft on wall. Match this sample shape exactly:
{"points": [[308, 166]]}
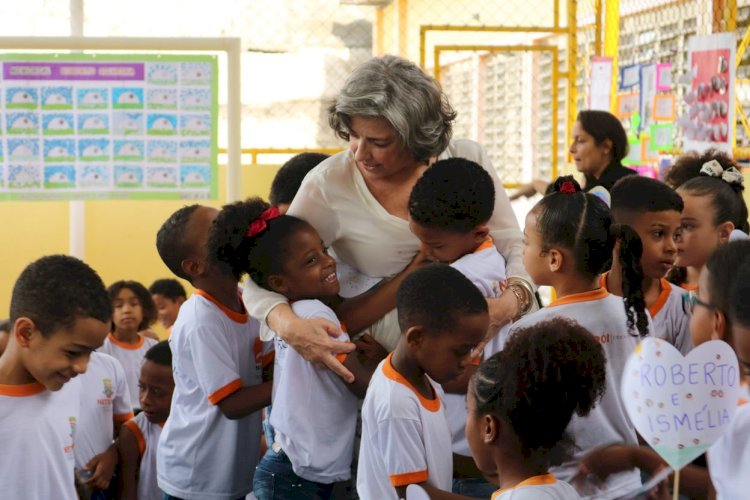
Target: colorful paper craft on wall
{"points": [[627, 104], [664, 108]]}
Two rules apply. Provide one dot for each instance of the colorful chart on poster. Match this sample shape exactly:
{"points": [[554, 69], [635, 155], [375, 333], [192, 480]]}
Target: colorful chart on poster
{"points": [[85, 126]]}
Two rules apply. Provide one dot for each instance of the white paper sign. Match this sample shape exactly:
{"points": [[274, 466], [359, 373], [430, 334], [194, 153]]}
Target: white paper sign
{"points": [[600, 93], [681, 405]]}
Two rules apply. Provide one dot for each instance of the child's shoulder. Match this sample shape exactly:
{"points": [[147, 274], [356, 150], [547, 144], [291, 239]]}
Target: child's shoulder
{"points": [[390, 396], [313, 308], [101, 362]]}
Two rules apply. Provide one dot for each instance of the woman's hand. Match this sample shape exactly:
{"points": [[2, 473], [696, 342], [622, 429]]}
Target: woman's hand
{"points": [[311, 338]]}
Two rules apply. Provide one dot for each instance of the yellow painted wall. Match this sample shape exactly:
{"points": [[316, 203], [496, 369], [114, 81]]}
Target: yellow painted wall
{"points": [[120, 235]]}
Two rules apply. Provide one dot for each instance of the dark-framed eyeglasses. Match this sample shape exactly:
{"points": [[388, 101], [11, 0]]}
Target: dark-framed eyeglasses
{"points": [[690, 300]]}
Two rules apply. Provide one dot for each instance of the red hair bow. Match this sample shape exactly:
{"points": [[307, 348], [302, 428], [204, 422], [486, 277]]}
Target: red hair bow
{"points": [[261, 223], [568, 187]]}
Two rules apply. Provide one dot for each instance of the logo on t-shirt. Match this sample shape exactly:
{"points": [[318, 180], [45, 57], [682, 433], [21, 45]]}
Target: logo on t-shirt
{"points": [[71, 446], [108, 392]]}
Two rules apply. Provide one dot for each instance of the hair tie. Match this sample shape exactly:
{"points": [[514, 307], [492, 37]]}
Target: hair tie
{"points": [[731, 175], [568, 187], [261, 223]]}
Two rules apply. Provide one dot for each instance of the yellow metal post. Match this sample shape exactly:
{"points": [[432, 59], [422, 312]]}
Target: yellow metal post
{"points": [[572, 69], [612, 42], [598, 27]]}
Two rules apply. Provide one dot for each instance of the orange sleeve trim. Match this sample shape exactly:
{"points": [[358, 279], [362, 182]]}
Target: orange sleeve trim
{"points": [[389, 371], [221, 394], [341, 357], [666, 289], [237, 317], [599, 293], [124, 417], [19, 391], [133, 427], [408, 478]]}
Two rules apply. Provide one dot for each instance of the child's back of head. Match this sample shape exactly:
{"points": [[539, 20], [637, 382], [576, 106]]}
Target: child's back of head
{"points": [[688, 166], [739, 313], [450, 206], [545, 373], [288, 179]]}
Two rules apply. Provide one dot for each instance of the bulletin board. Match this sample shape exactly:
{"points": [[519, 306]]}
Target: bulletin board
{"points": [[98, 126]]}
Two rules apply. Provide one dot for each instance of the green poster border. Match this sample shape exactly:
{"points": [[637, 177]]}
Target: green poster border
{"points": [[78, 194]]}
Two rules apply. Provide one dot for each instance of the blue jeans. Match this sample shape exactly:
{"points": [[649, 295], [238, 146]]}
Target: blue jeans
{"points": [[474, 487], [275, 480], [167, 496]]}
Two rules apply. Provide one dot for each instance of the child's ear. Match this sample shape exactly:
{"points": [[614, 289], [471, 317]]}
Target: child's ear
{"points": [[491, 428], [719, 326], [278, 284], [725, 230], [607, 146], [555, 260], [414, 336], [480, 233], [23, 330], [193, 267]]}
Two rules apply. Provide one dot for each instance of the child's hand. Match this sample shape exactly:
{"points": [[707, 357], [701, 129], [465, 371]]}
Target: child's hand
{"points": [[102, 467], [370, 351]]}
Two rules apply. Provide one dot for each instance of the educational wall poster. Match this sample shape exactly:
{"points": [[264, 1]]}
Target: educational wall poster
{"points": [[600, 93], [98, 126], [648, 93], [710, 119]]}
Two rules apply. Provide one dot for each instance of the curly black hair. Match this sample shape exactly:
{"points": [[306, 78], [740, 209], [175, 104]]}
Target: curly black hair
{"points": [[170, 240], [454, 194], [544, 374], [288, 179], [55, 291], [581, 222], [259, 256], [144, 297], [435, 297], [688, 166]]}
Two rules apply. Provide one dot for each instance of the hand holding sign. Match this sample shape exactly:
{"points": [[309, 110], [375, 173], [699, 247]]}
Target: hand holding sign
{"points": [[681, 405]]}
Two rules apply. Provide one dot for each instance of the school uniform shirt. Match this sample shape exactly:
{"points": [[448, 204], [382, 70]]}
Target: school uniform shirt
{"points": [[671, 324], [405, 437], [314, 413], [147, 436], [604, 316], [335, 200], [105, 399], [729, 458], [545, 487], [37, 431], [485, 267], [202, 454], [130, 357]]}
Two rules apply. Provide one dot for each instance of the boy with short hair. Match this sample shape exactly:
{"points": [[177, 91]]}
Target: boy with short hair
{"points": [[168, 295], [60, 312], [449, 208], [652, 209], [288, 179], [209, 446], [405, 435], [139, 437]]}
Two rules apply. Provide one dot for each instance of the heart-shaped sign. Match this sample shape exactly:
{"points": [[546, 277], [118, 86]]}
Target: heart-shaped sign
{"points": [[681, 405]]}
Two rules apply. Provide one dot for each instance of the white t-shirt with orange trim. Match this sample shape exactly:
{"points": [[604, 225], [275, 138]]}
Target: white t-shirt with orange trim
{"points": [[405, 437], [729, 458], [202, 454], [147, 436], [130, 357], [485, 267], [37, 436], [671, 324], [604, 316], [314, 413], [544, 487], [105, 399]]}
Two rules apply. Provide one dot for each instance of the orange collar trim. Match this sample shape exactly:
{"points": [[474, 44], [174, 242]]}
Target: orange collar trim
{"points": [[389, 371], [20, 391], [690, 288], [234, 316], [666, 289], [599, 293], [488, 243], [532, 481], [603, 281], [125, 345]]}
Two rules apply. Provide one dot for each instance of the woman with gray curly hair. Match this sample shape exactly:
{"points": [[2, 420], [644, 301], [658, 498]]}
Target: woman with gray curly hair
{"points": [[397, 122]]}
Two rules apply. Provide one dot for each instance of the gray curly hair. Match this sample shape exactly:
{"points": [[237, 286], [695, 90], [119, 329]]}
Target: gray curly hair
{"points": [[397, 90]]}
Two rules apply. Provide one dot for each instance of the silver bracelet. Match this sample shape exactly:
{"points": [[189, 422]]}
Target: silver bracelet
{"points": [[523, 292]]}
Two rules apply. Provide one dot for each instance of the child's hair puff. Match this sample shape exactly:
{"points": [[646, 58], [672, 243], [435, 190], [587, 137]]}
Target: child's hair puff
{"points": [[544, 374], [259, 256], [582, 223]]}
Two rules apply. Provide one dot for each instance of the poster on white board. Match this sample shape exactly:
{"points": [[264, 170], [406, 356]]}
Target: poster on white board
{"points": [[600, 91]]}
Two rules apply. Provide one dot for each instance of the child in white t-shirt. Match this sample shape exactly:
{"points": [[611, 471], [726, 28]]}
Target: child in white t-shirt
{"points": [[652, 210], [210, 444], [105, 406], [314, 411], [405, 435], [449, 208], [133, 312], [521, 401], [60, 313], [139, 437]]}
